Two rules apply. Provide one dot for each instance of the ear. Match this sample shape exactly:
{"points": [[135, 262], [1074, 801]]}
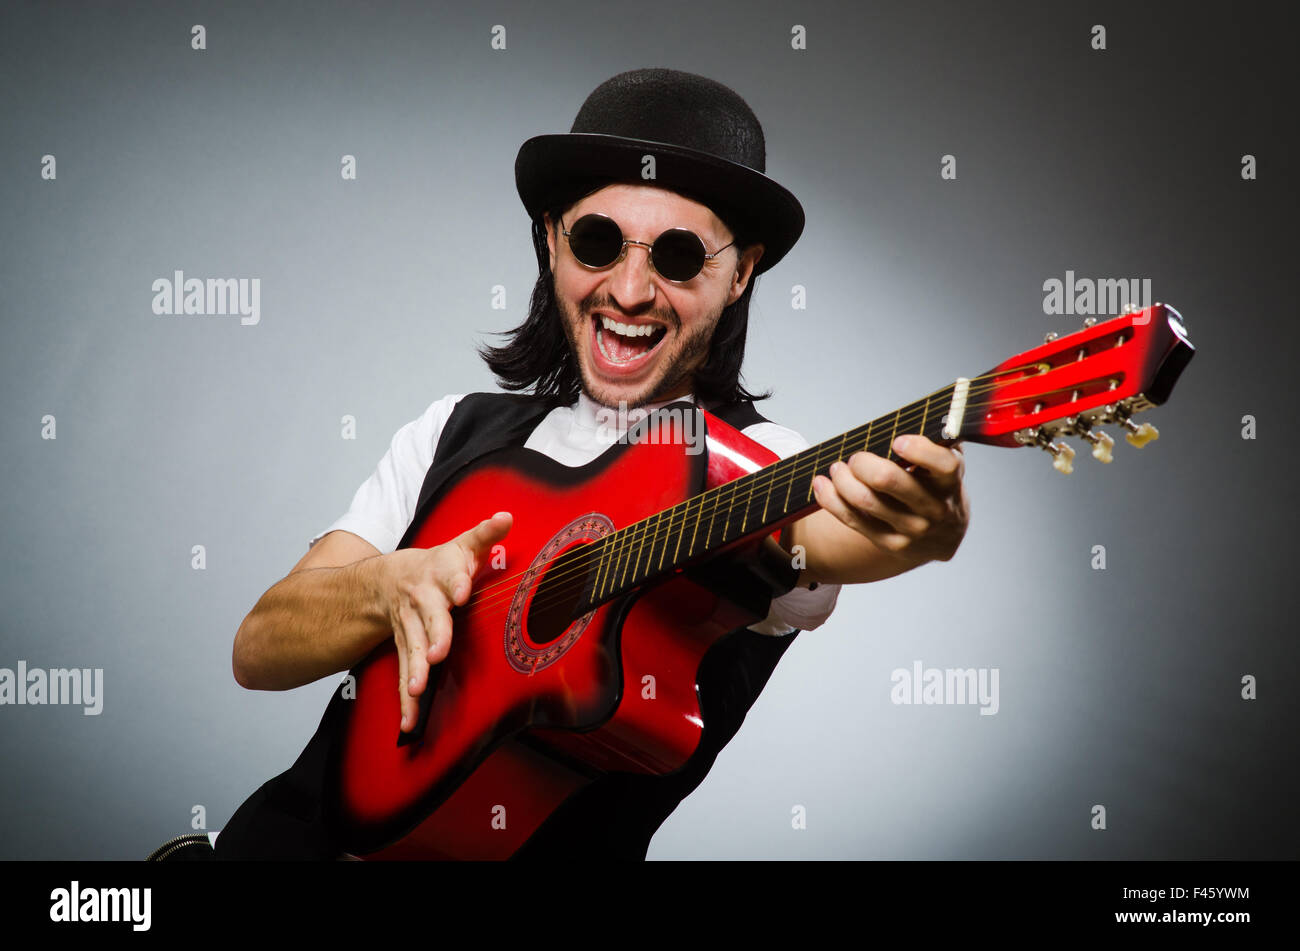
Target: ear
{"points": [[744, 271], [550, 236]]}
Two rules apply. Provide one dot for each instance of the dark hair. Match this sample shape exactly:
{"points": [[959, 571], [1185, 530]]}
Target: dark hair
{"points": [[536, 356]]}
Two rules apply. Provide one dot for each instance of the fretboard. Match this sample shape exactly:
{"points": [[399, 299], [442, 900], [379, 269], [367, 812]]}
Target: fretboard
{"points": [[748, 506]]}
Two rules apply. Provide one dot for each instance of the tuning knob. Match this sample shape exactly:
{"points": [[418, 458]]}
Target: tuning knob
{"points": [[1063, 457], [1139, 436], [1102, 444]]}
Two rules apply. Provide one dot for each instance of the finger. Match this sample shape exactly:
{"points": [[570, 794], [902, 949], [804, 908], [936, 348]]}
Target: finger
{"points": [[410, 622], [452, 577], [478, 541], [942, 464], [403, 698], [903, 489], [947, 489], [434, 611], [879, 533], [417, 647], [860, 497]]}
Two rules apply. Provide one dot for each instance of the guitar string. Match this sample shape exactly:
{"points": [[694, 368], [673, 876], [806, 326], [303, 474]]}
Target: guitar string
{"points": [[639, 534], [901, 422], [577, 561], [718, 491], [725, 495]]}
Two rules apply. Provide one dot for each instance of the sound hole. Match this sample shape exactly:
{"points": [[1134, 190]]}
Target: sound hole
{"points": [[561, 595]]}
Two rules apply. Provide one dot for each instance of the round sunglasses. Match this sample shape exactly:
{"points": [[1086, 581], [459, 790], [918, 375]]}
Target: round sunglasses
{"points": [[677, 255]]}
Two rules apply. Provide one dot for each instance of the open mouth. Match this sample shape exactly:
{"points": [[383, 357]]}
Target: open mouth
{"points": [[626, 345]]}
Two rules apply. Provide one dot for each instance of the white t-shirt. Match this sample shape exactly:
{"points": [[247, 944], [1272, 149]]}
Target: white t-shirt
{"points": [[384, 506]]}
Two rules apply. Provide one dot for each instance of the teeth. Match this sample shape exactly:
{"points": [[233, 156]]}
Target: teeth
{"points": [[600, 342], [627, 330]]}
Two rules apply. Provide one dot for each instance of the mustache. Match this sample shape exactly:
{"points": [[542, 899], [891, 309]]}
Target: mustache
{"points": [[667, 316]]}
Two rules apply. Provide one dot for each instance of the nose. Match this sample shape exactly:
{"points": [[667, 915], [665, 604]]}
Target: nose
{"points": [[632, 280]]}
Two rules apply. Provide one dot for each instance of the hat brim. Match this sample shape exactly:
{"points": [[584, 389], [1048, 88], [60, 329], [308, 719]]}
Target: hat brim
{"points": [[554, 169]]}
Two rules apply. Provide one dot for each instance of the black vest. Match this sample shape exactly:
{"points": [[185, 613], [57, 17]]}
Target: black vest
{"points": [[614, 816]]}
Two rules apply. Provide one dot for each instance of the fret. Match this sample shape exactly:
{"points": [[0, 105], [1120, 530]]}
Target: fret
{"points": [[772, 484], [610, 560], [892, 433], [624, 545], [631, 531], [664, 551], [767, 492], [728, 505], [742, 507], [685, 515], [690, 549], [645, 538], [736, 507], [752, 479], [767, 495], [734, 504], [601, 567], [719, 503], [663, 532], [614, 543], [820, 467], [653, 530], [621, 541], [816, 469], [758, 478], [620, 564], [713, 513], [789, 483], [639, 534]]}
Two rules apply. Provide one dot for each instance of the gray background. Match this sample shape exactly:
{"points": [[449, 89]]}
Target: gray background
{"points": [[1119, 687]]}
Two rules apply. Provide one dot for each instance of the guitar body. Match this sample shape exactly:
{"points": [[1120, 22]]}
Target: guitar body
{"points": [[531, 704]]}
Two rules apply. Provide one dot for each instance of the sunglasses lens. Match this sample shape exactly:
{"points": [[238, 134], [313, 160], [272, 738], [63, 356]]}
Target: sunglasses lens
{"points": [[596, 241], [678, 254]]}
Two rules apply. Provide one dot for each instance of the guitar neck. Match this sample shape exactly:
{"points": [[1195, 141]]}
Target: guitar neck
{"points": [[745, 508], [1069, 386]]}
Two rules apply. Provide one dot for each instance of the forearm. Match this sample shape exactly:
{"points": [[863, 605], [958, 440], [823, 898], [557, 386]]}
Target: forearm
{"points": [[832, 553], [313, 623]]}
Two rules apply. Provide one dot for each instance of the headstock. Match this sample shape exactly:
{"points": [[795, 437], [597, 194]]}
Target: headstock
{"points": [[1103, 374]]}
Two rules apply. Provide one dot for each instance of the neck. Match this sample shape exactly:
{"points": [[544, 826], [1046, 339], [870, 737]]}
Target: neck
{"points": [[737, 511]]}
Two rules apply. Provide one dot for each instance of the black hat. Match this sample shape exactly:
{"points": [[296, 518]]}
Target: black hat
{"points": [[706, 142]]}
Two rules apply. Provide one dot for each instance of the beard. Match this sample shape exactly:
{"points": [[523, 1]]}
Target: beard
{"points": [[677, 361]]}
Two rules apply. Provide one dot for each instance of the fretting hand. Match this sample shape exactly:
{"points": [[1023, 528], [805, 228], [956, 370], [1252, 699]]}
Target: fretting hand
{"points": [[917, 516]]}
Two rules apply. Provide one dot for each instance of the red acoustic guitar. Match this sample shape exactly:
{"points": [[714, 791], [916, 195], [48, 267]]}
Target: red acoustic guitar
{"points": [[599, 590]]}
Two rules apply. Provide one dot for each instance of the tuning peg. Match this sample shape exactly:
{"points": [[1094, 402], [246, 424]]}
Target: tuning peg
{"points": [[1063, 457], [1102, 444], [1139, 436]]}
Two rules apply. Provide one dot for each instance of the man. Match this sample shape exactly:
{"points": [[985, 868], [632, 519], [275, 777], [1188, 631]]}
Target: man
{"points": [[642, 299]]}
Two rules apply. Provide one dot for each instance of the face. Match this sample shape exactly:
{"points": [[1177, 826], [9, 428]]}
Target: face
{"points": [[631, 363]]}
